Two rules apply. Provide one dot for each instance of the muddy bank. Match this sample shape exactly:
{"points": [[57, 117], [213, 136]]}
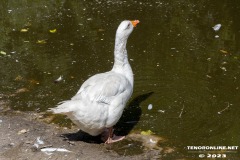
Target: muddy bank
{"points": [[24, 136]]}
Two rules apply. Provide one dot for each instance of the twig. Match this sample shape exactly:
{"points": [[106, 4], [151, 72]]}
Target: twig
{"points": [[228, 106], [46, 146], [180, 115]]}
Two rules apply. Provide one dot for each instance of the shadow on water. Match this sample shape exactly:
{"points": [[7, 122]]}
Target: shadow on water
{"points": [[131, 115], [130, 118]]}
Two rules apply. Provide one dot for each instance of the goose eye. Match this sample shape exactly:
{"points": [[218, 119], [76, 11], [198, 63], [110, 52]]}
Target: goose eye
{"points": [[128, 26]]}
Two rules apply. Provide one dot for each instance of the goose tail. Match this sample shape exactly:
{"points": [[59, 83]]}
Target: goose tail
{"points": [[64, 107]]}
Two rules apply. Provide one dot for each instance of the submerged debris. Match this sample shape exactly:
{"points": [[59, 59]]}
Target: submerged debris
{"points": [[148, 141], [226, 108], [101, 30], [33, 81], [22, 90], [223, 51], [180, 115], [18, 78]]}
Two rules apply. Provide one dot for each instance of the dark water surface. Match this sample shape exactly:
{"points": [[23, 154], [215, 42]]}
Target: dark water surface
{"points": [[192, 71]]}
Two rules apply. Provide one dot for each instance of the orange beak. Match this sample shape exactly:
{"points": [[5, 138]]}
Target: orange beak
{"points": [[135, 22]]}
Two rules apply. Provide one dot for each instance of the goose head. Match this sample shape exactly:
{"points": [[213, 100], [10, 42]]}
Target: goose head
{"points": [[126, 28]]}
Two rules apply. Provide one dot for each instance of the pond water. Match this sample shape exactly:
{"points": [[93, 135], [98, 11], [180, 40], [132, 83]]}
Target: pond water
{"points": [[188, 72]]}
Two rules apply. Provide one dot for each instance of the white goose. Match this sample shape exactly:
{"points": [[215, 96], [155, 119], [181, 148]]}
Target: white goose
{"points": [[100, 101]]}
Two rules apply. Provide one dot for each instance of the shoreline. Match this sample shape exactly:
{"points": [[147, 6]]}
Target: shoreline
{"points": [[21, 131]]}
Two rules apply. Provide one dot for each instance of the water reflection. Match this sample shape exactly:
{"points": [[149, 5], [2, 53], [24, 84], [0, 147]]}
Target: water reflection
{"points": [[174, 53]]}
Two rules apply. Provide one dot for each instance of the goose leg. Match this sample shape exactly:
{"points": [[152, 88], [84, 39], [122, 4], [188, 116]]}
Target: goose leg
{"points": [[113, 138]]}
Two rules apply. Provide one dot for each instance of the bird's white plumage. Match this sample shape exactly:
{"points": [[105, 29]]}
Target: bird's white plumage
{"points": [[100, 101]]}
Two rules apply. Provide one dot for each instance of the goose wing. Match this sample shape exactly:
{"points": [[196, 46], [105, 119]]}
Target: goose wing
{"points": [[103, 88]]}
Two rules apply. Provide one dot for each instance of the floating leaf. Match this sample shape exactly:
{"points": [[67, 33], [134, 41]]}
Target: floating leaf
{"points": [[41, 41], [53, 30], [223, 51], [146, 133], [24, 30], [3, 53]]}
